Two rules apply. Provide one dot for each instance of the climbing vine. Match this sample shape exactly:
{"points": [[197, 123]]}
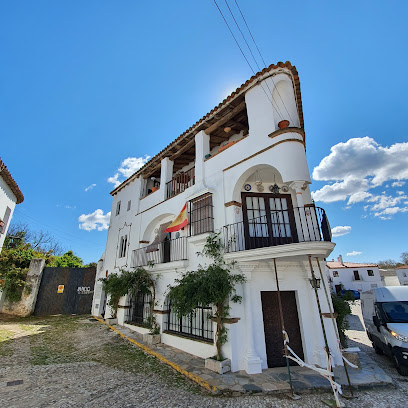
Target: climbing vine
{"points": [[131, 283], [210, 285]]}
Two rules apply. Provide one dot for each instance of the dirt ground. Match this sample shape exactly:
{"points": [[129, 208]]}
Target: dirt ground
{"points": [[74, 361]]}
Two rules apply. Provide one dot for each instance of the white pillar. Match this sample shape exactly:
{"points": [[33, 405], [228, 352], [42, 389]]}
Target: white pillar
{"points": [[253, 364], [202, 147], [260, 112], [166, 175], [297, 186]]}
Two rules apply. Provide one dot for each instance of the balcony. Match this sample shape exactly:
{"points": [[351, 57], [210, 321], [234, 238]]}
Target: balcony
{"points": [[279, 227], [180, 182], [167, 251]]}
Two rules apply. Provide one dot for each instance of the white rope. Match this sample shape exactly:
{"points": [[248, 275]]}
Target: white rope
{"points": [[326, 373]]}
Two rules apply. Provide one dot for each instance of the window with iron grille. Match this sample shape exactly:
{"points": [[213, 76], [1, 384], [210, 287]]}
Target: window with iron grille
{"points": [[201, 215], [197, 325], [118, 208], [138, 311]]}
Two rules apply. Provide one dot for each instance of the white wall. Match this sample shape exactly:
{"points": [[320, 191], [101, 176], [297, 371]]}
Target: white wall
{"points": [[346, 278], [402, 276], [7, 199]]}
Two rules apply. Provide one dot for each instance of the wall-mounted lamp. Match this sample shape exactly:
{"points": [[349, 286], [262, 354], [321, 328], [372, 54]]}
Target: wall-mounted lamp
{"points": [[315, 282]]}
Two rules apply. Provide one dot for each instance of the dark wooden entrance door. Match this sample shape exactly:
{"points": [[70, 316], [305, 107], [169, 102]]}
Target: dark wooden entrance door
{"points": [[268, 220], [273, 329]]}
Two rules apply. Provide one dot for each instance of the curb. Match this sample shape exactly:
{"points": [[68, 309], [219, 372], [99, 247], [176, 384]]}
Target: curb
{"points": [[194, 377]]}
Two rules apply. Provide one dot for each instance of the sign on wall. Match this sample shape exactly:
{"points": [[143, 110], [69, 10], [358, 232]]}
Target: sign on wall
{"points": [[60, 289]]}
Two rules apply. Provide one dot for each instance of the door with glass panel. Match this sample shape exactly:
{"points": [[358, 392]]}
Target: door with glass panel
{"points": [[268, 220]]}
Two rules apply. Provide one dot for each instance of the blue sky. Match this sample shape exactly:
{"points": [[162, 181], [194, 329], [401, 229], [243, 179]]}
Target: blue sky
{"points": [[86, 85]]}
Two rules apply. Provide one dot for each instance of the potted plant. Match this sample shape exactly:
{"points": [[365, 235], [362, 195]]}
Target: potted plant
{"points": [[283, 124]]}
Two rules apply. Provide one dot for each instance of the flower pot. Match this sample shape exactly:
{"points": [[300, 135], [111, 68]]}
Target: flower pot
{"points": [[283, 124], [219, 367], [152, 338], [226, 146], [154, 189]]}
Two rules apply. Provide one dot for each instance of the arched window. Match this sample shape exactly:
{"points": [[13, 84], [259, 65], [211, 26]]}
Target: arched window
{"points": [[197, 325]]}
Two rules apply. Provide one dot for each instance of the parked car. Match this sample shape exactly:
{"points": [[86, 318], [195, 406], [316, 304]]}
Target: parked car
{"points": [[356, 293], [385, 314]]}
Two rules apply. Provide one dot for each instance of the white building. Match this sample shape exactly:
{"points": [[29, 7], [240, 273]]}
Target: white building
{"points": [[355, 276], [225, 168], [402, 273], [10, 195]]}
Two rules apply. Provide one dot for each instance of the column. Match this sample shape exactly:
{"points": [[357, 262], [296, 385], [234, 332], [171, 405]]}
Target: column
{"points": [[253, 364], [202, 148], [166, 175], [302, 223]]}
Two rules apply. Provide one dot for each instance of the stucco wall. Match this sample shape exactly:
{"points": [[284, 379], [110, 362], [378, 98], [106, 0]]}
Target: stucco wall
{"points": [[7, 199]]}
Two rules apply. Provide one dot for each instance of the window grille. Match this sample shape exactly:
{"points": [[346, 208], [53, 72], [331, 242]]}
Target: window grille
{"points": [[129, 204], [370, 272], [138, 311], [197, 325], [201, 216], [118, 208]]}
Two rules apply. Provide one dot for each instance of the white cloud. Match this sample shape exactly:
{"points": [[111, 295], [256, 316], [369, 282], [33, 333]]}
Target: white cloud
{"points": [[96, 220], [340, 230], [361, 164], [354, 253], [90, 187], [128, 167]]}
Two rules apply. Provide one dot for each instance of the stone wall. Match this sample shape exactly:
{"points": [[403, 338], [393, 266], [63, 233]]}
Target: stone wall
{"points": [[25, 307]]}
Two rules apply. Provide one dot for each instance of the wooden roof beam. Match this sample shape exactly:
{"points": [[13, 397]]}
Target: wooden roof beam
{"points": [[225, 119]]}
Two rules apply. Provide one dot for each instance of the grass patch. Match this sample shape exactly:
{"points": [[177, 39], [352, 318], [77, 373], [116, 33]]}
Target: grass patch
{"points": [[5, 343]]}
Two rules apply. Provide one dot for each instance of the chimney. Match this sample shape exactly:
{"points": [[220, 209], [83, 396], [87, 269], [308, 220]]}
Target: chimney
{"points": [[340, 259]]}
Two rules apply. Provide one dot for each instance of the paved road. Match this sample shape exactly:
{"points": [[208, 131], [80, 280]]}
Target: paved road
{"points": [[72, 362]]}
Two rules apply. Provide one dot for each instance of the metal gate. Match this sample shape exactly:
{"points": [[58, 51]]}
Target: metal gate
{"points": [[65, 291]]}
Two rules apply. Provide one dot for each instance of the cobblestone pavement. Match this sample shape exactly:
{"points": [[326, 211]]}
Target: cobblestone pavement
{"points": [[71, 362]]}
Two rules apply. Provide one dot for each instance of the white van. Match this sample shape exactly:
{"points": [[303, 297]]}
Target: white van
{"points": [[385, 313]]}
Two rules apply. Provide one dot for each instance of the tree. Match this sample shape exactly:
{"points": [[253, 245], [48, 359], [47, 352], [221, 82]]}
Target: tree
{"points": [[404, 258], [210, 285], [69, 259]]}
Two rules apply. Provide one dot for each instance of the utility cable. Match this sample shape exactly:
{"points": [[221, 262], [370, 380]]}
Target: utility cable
{"points": [[259, 51], [246, 59]]}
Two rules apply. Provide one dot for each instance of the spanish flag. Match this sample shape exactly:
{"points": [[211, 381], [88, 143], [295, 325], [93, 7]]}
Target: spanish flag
{"points": [[180, 222]]}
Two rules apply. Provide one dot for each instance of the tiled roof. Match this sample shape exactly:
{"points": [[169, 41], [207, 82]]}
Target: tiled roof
{"points": [[225, 102], [338, 265], [402, 267], [5, 174]]}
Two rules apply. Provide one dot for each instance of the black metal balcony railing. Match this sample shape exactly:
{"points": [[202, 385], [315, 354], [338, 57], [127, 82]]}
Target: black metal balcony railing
{"points": [[279, 227], [168, 251], [180, 182]]}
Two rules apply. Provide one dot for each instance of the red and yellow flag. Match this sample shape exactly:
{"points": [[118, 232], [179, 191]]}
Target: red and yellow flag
{"points": [[180, 222]]}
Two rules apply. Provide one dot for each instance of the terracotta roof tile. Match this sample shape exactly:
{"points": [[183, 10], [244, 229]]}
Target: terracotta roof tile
{"points": [[338, 265], [5, 174], [402, 267], [225, 102]]}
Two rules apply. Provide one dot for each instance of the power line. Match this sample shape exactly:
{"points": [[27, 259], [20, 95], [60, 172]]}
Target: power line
{"points": [[256, 62], [259, 51], [243, 54], [59, 232]]}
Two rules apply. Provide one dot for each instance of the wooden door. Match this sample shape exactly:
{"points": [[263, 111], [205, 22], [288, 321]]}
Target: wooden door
{"points": [[273, 329], [268, 220]]}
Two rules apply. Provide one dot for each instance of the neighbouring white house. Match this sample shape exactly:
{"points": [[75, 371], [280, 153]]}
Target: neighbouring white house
{"points": [[242, 171], [355, 276], [389, 277], [402, 273], [10, 195]]}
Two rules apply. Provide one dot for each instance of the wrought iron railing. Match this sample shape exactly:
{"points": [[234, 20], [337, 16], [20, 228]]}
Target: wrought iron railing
{"points": [[180, 182], [279, 227], [166, 251]]}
